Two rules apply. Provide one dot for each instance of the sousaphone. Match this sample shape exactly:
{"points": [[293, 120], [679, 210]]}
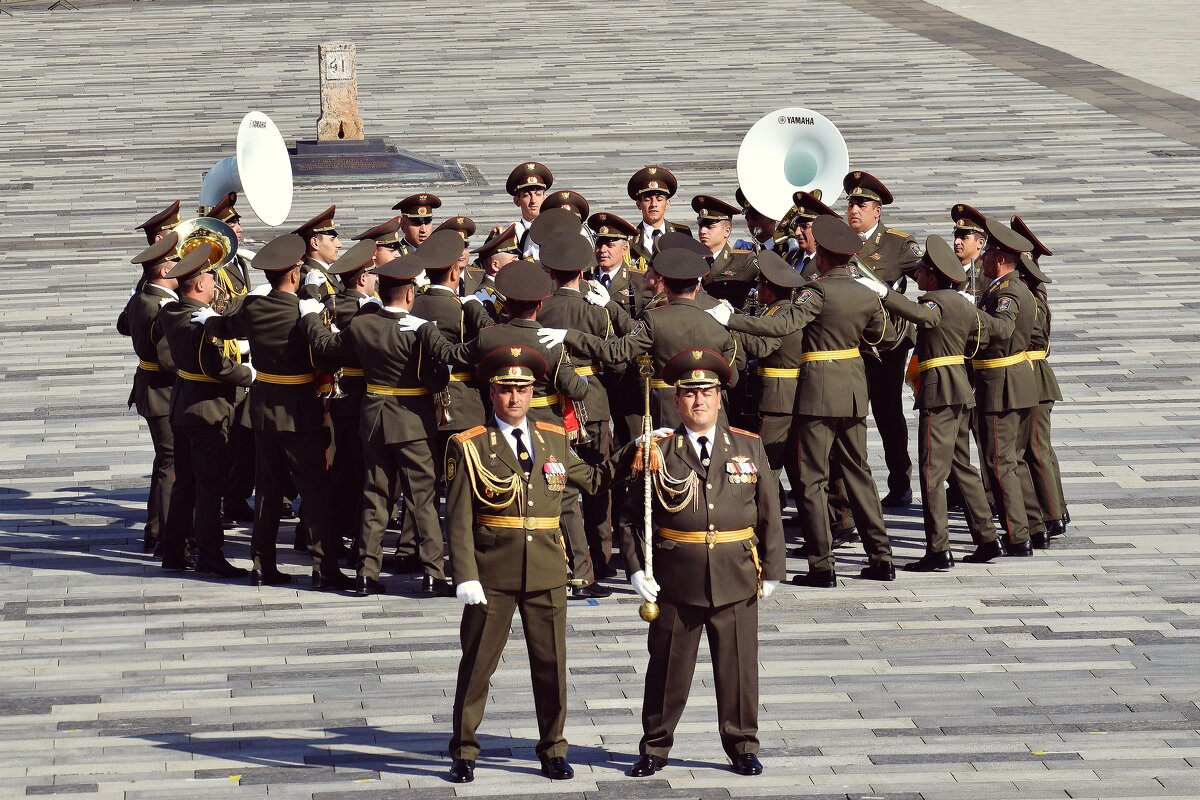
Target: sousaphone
{"points": [[790, 150]]}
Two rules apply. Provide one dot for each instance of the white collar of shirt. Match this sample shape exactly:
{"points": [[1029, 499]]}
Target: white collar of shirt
{"points": [[507, 430], [648, 233], [162, 288], [993, 283], [324, 266], [612, 275], [866, 236], [694, 438], [438, 287], [522, 225], [396, 309]]}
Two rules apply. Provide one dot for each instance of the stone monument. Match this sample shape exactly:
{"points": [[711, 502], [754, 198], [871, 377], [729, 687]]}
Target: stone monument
{"points": [[339, 93]]}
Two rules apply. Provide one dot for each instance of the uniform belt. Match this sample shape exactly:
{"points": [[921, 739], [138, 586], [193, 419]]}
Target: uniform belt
{"points": [[659, 383], [544, 402], [195, 376], [830, 355], [461, 377], [940, 361], [149, 366], [351, 372], [707, 537], [1037, 355], [587, 370], [778, 372], [284, 380], [525, 523], [996, 363], [396, 391]]}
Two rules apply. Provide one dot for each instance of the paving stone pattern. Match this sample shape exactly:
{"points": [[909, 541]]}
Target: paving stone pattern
{"points": [[1072, 674]]}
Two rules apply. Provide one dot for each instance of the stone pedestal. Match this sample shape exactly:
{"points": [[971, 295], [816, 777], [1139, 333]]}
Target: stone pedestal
{"points": [[339, 120]]}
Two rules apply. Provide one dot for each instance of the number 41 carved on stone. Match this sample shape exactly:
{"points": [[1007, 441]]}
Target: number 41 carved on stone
{"points": [[339, 93]]}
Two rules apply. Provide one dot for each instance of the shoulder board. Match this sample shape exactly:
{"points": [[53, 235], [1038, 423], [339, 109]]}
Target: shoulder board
{"points": [[550, 426], [895, 232], [739, 252], [771, 311], [1002, 285], [635, 268], [742, 432], [470, 434]]}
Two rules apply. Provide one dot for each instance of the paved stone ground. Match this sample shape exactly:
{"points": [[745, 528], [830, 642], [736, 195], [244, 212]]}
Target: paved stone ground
{"points": [[1068, 675]]}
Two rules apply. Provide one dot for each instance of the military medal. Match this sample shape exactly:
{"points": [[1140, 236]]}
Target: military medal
{"points": [[740, 469], [556, 474]]}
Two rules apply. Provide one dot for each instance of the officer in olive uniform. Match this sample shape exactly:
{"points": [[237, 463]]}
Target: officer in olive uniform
{"points": [[155, 375], [948, 328], [765, 233], [161, 223], [527, 184], [574, 202], [416, 219], [202, 413], [1006, 390], [838, 317], [234, 278], [731, 273], [892, 255], [287, 416], [715, 553], [321, 248], [651, 189], [567, 256], [493, 255], [661, 332], [506, 481], [397, 421], [970, 237], [806, 207], [1041, 458], [465, 228]]}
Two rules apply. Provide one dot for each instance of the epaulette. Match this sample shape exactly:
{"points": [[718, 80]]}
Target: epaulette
{"points": [[470, 434], [1003, 285], [743, 433], [771, 311], [636, 268], [738, 252], [550, 426], [895, 232]]}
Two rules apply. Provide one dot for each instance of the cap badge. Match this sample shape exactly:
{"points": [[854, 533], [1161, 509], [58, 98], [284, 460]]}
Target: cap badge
{"points": [[697, 374], [856, 175], [697, 354], [652, 185], [514, 372], [652, 170], [422, 198], [603, 229], [422, 211], [565, 195], [530, 167], [515, 351]]}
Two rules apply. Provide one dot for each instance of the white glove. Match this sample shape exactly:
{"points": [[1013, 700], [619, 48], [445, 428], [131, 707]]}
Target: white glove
{"points": [[308, 306], [362, 301], [471, 593], [597, 295], [422, 280], [647, 587], [551, 337], [265, 289], [164, 301], [243, 346], [658, 433], [768, 588], [878, 288], [133, 291], [721, 313], [410, 323], [203, 314], [253, 372], [472, 298], [482, 296], [968, 297], [315, 278]]}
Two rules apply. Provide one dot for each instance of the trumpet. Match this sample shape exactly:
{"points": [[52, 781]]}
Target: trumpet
{"points": [[327, 386]]}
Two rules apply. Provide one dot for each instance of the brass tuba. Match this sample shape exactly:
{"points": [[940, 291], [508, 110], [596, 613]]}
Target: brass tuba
{"points": [[206, 230]]}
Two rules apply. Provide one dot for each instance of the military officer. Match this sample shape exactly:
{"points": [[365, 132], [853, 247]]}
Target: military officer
{"points": [[623, 282], [969, 241], [948, 327], [731, 273], [161, 223], [892, 255], [528, 184], [386, 236], [234, 278], [1006, 390], [155, 375], [416, 219], [715, 553], [651, 189], [493, 255], [287, 416], [1041, 458], [465, 228], [808, 207], [838, 317], [661, 332], [506, 481], [321, 248], [764, 234], [202, 413], [397, 421]]}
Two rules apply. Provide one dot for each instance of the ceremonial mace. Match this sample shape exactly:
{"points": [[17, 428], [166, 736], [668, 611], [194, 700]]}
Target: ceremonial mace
{"points": [[648, 610]]}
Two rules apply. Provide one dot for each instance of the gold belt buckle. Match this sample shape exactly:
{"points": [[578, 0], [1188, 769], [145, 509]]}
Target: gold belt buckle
{"points": [[529, 523], [710, 538]]}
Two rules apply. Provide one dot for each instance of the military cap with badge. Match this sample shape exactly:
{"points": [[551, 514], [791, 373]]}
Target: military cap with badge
{"points": [[530, 175], [652, 179], [164, 220]]}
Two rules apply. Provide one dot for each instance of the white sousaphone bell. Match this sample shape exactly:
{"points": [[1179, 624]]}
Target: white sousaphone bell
{"points": [[787, 151], [261, 170]]}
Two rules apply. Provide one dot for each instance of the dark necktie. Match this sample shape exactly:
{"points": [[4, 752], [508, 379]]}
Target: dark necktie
{"points": [[605, 280], [654, 239], [704, 459], [711, 261], [523, 457]]}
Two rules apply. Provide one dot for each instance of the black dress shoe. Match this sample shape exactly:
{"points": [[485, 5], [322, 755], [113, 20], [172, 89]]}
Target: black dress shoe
{"points": [[931, 562], [604, 572], [747, 764], [883, 571], [843, 537], [286, 511], [368, 586], [799, 552], [594, 590], [817, 579], [1066, 518], [557, 769], [646, 766], [985, 552], [894, 499], [438, 587], [1055, 527], [1018, 549], [269, 577], [1040, 541], [178, 564], [461, 771], [221, 568], [332, 580]]}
